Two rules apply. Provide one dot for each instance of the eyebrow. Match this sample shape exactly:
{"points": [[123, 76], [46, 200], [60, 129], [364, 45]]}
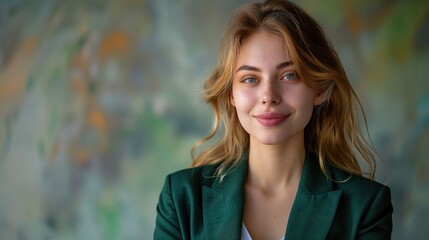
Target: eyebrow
{"points": [[251, 68]]}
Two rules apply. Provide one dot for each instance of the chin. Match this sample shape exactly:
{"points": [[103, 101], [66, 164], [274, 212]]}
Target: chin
{"points": [[277, 139], [270, 141]]}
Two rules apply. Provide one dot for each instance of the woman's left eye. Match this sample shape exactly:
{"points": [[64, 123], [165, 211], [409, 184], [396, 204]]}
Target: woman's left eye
{"points": [[249, 80], [290, 76]]}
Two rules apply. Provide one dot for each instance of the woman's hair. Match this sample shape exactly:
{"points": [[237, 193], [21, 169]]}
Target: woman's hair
{"points": [[333, 131]]}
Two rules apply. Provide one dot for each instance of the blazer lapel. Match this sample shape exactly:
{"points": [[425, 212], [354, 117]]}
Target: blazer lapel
{"points": [[311, 215], [223, 204], [315, 204]]}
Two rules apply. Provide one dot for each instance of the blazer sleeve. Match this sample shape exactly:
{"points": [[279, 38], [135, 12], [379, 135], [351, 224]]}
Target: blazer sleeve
{"points": [[167, 222], [377, 222]]}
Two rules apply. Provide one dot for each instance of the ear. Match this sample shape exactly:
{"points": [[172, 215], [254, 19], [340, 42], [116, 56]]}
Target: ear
{"points": [[231, 99], [319, 98]]}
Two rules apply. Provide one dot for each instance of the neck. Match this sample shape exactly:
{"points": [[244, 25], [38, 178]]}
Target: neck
{"points": [[275, 167]]}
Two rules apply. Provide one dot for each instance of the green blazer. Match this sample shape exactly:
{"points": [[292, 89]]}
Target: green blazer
{"points": [[194, 204]]}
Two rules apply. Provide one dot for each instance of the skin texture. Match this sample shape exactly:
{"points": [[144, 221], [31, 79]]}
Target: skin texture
{"points": [[265, 82], [273, 105]]}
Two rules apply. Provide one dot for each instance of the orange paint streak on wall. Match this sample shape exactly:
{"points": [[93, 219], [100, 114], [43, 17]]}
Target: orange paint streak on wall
{"points": [[81, 156], [97, 119], [355, 24], [13, 80], [116, 43]]}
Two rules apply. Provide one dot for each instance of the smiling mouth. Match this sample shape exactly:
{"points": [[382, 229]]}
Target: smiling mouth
{"points": [[271, 119]]}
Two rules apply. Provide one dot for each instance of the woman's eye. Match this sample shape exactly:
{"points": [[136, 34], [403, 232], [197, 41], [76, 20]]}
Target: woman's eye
{"points": [[290, 76], [249, 80]]}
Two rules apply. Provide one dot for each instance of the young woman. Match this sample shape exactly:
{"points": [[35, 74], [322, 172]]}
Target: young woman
{"points": [[286, 164]]}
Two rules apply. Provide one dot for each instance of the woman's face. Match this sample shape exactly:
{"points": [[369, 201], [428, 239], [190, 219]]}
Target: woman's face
{"points": [[273, 104]]}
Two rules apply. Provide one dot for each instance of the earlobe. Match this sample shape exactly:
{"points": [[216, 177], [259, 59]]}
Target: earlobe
{"points": [[319, 98], [231, 100]]}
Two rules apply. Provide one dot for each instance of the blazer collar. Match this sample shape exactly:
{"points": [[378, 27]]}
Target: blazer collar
{"points": [[315, 204], [311, 215], [223, 203]]}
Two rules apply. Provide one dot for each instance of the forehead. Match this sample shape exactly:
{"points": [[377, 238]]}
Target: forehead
{"points": [[263, 48]]}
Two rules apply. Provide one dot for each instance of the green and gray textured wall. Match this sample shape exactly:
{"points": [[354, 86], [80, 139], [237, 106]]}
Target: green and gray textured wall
{"points": [[99, 100]]}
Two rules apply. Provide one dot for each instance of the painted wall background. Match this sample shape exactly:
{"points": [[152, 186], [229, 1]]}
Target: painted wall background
{"points": [[99, 100]]}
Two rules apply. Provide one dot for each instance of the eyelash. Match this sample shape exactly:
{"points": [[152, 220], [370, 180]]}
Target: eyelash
{"points": [[284, 77], [245, 80], [291, 72]]}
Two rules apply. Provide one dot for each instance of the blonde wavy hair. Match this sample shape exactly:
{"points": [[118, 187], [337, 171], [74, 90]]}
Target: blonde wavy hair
{"points": [[333, 132]]}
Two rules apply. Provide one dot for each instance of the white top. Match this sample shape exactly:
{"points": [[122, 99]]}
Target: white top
{"points": [[245, 234]]}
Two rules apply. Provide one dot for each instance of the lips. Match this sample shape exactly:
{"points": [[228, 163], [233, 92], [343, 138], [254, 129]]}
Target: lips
{"points": [[271, 119]]}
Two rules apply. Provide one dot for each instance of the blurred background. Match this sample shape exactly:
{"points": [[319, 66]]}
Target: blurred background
{"points": [[99, 100]]}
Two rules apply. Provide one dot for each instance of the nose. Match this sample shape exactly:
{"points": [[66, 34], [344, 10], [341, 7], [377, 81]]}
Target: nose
{"points": [[270, 93]]}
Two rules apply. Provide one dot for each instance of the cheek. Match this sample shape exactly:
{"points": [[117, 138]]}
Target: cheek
{"points": [[242, 102], [241, 99], [303, 100], [307, 104]]}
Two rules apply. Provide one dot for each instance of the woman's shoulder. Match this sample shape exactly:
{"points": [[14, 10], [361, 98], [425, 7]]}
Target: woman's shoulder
{"points": [[364, 202], [194, 171], [358, 186], [193, 175]]}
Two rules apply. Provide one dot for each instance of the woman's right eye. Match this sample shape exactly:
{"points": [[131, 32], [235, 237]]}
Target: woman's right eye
{"points": [[249, 80]]}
